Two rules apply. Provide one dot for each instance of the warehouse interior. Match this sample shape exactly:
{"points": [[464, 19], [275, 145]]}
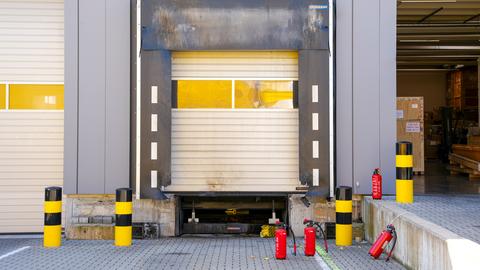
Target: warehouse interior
{"points": [[438, 54]]}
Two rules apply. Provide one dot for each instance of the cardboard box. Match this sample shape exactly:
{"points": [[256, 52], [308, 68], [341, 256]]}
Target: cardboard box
{"points": [[410, 127]]}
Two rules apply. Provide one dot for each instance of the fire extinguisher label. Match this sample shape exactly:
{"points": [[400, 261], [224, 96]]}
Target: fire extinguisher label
{"points": [[384, 245]]}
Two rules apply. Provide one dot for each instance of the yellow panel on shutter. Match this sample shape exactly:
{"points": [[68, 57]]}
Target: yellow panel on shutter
{"points": [[2, 96], [204, 94], [36, 97]]}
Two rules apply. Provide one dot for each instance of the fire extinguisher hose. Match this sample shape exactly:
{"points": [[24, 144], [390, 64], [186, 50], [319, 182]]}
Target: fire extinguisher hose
{"points": [[294, 242], [393, 245], [325, 243]]}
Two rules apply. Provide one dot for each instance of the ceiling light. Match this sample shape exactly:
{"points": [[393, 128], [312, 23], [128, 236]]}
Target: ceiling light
{"points": [[426, 1], [419, 40]]}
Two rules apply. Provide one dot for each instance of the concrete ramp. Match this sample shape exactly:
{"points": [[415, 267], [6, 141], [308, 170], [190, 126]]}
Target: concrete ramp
{"points": [[436, 232]]}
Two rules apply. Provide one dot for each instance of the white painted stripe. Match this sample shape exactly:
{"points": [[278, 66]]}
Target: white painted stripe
{"points": [[153, 151], [315, 93], [315, 149], [316, 177], [154, 122], [153, 179], [314, 121], [13, 252], [323, 265], [154, 94]]}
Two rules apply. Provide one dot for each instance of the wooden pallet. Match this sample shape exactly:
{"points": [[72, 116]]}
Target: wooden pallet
{"points": [[461, 164]]}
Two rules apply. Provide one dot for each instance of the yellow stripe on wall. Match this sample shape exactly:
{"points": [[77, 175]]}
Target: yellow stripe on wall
{"points": [[36, 97], [3, 93]]}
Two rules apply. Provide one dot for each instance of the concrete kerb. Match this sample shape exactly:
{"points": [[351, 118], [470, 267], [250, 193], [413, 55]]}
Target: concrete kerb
{"points": [[421, 243]]}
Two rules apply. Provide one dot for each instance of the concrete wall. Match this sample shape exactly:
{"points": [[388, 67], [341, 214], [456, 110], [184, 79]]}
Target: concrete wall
{"points": [[92, 216], [365, 92], [97, 96], [421, 244], [431, 85]]}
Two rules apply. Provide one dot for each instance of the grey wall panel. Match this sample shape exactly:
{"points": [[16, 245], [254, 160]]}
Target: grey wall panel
{"points": [[117, 103], [313, 70], [366, 94], [91, 125], [97, 96], [344, 86], [387, 76], [71, 97]]}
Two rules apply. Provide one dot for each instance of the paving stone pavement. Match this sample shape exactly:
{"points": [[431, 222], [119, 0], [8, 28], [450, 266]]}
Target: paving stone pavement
{"points": [[356, 257], [457, 213], [217, 252], [166, 253]]}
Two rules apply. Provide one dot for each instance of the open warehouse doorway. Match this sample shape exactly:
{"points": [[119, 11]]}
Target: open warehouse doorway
{"points": [[438, 53]]}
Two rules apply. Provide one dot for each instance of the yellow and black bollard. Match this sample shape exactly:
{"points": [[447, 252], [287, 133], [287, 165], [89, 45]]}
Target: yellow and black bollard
{"points": [[52, 230], [123, 217], [404, 163], [343, 209]]}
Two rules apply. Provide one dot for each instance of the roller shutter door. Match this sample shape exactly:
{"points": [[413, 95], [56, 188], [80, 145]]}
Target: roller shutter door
{"points": [[264, 64], [31, 141], [234, 150]]}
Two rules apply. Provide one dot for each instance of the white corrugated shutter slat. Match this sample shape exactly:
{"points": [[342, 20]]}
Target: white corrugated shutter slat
{"points": [[31, 47], [235, 64], [31, 158]]}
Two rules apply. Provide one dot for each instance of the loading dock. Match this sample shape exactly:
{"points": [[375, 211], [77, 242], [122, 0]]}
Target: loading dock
{"points": [[222, 145], [139, 131], [230, 214], [249, 118]]}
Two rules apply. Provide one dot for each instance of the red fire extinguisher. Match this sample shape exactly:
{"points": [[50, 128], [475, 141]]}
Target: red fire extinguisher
{"points": [[310, 234], [281, 241], [376, 185], [382, 241]]}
